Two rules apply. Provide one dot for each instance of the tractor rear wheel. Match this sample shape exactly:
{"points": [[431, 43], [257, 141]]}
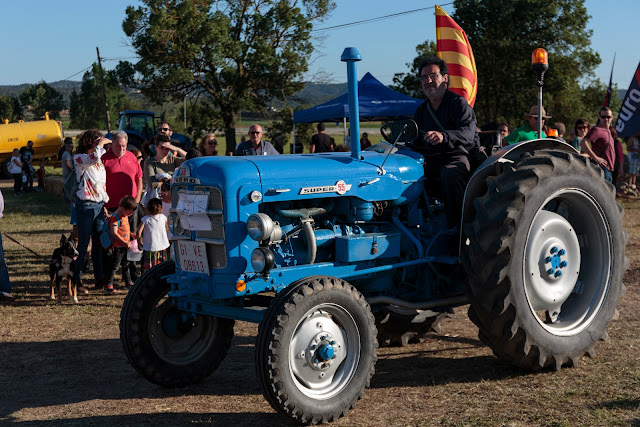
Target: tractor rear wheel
{"points": [[545, 259]]}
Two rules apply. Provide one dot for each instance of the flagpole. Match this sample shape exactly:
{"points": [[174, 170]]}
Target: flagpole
{"points": [[607, 98]]}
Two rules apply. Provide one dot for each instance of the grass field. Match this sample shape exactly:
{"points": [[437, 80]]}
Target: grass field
{"points": [[64, 365]]}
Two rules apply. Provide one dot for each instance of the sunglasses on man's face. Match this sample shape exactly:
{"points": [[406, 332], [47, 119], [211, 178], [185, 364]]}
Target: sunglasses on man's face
{"points": [[165, 129], [607, 117], [255, 133]]}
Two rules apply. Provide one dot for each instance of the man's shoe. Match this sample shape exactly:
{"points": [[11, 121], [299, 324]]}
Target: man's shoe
{"points": [[6, 296]]}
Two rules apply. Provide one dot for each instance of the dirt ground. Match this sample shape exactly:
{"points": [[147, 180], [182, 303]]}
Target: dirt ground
{"points": [[64, 364]]}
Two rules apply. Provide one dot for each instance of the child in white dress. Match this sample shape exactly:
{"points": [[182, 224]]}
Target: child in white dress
{"points": [[153, 233]]}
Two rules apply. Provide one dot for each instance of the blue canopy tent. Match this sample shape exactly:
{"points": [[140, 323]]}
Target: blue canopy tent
{"points": [[376, 102]]}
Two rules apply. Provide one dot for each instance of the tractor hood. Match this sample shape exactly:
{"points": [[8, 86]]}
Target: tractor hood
{"points": [[309, 176]]}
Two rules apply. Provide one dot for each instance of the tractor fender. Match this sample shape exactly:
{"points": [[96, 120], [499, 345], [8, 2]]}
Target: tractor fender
{"points": [[508, 154]]}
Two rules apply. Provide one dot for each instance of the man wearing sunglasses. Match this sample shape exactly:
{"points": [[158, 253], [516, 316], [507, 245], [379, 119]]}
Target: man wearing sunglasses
{"points": [[165, 128], [255, 146], [599, 145]]}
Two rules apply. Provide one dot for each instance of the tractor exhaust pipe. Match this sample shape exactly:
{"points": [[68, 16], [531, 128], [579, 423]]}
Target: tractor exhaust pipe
{"points": [[351, 55]]}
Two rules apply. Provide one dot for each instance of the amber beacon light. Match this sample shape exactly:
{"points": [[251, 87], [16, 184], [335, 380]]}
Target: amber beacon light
{"points": [[540, 63]]}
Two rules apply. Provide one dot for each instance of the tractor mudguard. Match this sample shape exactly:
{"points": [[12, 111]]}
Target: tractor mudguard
{"points": [[475, 186]]}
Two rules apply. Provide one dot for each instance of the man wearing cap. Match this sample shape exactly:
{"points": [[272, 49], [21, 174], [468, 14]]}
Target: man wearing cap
{"points": [[447, 127], [529, 130], [599, 144]]}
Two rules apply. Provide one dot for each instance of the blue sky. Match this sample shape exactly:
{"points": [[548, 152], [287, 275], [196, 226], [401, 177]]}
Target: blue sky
{"points": [[50, 41]]}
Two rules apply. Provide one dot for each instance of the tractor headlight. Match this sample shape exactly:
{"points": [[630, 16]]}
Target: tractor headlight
{"points": [[262, 260], [260, 227]]}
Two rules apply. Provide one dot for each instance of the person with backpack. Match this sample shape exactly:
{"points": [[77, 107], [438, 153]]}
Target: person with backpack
{"points": [[120, 234], [90, 194]]}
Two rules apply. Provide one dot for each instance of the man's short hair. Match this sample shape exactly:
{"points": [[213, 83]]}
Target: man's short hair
{"points": [[119, 134], [433, 60], [321, 127]]}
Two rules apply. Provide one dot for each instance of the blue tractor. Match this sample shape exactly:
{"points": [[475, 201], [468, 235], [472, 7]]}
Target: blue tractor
{"points": [[334, 254]]}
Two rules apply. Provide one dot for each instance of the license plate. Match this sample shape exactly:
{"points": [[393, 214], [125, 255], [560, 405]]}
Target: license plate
{"points": [[193, 256]]}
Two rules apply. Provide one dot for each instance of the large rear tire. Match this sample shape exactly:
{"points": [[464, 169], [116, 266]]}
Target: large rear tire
{"points": [[316, 350], [163, 345], [545, 259]]}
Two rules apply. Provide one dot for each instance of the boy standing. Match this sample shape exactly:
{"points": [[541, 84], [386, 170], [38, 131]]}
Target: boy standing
{"points": [[118, 224]]}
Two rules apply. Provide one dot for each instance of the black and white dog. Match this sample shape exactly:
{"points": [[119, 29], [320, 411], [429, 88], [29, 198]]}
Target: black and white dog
{"points": [[61, 267]]}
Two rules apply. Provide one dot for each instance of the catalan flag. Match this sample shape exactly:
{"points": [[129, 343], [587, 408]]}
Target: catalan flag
{"points": [[454, 48]]}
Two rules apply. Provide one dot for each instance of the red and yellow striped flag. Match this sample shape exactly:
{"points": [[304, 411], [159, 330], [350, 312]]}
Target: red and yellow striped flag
{"points": [[455, 50]]}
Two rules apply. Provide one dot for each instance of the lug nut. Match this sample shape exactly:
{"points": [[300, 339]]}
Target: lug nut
{"points": [[562, 252], [554, 250]]}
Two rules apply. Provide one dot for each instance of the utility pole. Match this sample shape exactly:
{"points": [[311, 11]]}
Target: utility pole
{"points": [[104, 91]]}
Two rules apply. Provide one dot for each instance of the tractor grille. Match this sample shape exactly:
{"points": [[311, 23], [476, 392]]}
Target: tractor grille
{"points": [[214, 238]]}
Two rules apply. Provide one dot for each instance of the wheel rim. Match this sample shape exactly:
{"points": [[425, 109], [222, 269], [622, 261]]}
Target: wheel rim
{"points": [[568, 261], [324, 351], [177, 340]]}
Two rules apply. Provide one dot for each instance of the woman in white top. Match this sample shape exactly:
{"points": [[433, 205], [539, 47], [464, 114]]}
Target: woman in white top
{"points": [[15, 169], [90, 199]]}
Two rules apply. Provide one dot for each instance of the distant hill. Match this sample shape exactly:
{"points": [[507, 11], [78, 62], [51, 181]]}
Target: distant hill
{"points": [[313, 93], [65, 87], [621, 94]]}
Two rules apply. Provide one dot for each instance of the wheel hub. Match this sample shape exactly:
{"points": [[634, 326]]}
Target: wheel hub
{"points": [[552, 263], [318, 350]]}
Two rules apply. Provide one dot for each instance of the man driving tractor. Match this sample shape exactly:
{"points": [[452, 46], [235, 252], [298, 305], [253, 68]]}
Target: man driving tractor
{"points": [[447, 133]]}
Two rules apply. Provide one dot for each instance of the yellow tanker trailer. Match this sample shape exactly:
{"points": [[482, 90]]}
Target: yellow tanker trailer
{"points": [[47, 136]]}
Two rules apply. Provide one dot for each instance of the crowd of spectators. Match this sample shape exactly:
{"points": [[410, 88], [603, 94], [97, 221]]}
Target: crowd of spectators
{"points": [[128, 189]]}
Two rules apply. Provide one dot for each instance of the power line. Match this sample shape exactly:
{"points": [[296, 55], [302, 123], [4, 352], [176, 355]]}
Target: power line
{"points": [[104, 59], [379, 18], [72, 75], [120, 59]]}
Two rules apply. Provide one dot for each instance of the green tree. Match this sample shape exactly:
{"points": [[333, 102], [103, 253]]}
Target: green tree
{"points": [[42, 98], [504, 33], [87, 106], [241, 54], [282, 127], [408, 83], [10, 108]]}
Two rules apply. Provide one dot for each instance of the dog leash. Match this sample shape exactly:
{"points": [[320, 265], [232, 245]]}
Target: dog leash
{"points": [[29, 249]]}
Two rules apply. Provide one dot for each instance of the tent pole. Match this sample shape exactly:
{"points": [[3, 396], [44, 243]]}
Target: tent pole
{"points": [[293, 151], [344, 130]]}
